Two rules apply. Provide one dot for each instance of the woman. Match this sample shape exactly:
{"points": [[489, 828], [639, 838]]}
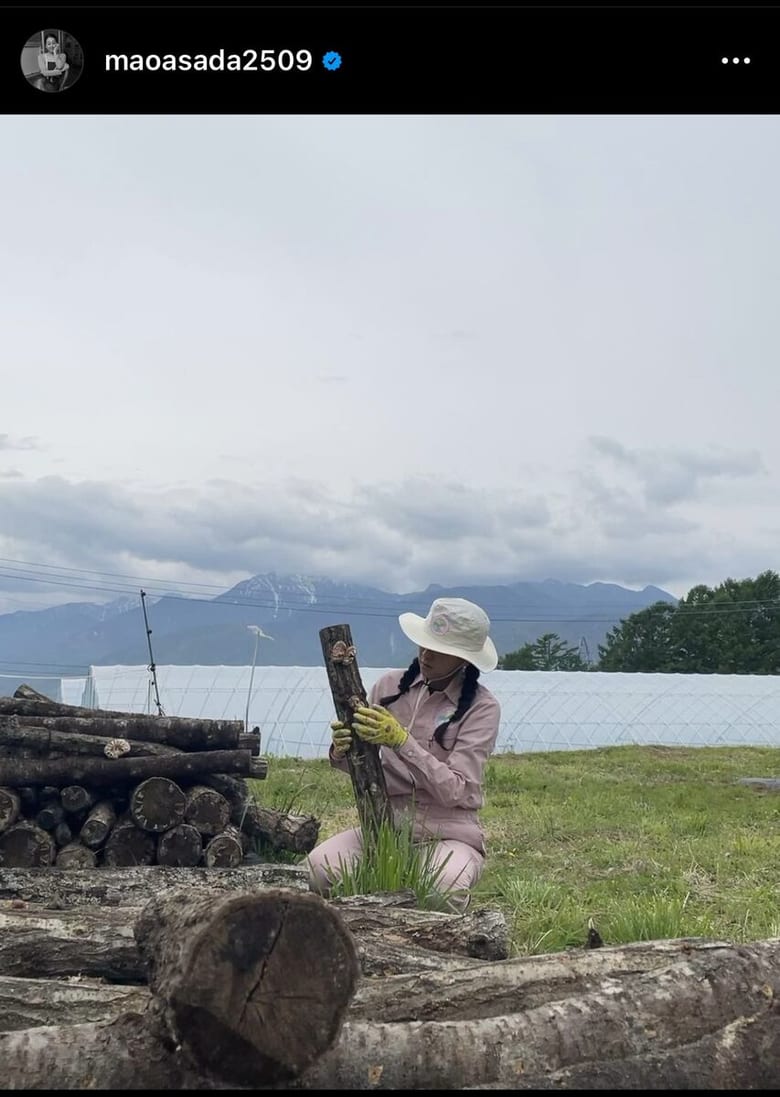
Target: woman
{"points": [[53, 63], [436, 728]]}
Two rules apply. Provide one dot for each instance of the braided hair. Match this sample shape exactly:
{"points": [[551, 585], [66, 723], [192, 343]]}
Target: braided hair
{"points": [[467, 694]]}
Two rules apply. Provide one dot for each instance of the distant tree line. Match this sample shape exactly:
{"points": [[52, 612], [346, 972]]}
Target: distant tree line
{"points": [[733, 628]]}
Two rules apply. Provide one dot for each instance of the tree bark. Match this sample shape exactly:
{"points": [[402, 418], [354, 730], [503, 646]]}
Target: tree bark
{"points": [[174, 731], [106, 771], [225, 850], [482, 933], [42, 740], [157, 804], [98, 824], [32, 1003], [75, 855], [134, 886], [10, 806], [228, 975], [26, 845], [206, 809], [475, 990], [276, 829], [687, 1001], [128, 845], [744, 1054], [180, 847], [363, 759], [93, 941]]}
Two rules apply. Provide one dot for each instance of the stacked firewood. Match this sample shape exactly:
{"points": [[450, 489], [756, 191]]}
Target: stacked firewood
{"points": [[81, 788]]}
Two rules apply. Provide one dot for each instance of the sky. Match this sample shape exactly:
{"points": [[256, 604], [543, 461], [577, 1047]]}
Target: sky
{"points": [[395, 350]]}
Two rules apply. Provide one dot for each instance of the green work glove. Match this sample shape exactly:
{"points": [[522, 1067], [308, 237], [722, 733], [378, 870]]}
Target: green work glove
{"points": [[377, 725], [342, 738]]}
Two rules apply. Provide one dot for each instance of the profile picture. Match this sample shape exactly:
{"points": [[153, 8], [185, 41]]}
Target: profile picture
{"points": [[52, 60]]}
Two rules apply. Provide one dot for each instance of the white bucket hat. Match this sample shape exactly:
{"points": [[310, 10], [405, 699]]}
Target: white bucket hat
{"points": [[453, 627]]}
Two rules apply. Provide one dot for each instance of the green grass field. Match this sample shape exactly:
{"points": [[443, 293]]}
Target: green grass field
{"points": [[650, 842]]}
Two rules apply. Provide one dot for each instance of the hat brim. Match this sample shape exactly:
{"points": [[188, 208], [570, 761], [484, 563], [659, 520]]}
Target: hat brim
{"points": [[413, 626]]}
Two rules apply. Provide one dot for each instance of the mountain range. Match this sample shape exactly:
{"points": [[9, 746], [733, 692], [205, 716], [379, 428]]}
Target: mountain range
{"points": [[66, 639]]}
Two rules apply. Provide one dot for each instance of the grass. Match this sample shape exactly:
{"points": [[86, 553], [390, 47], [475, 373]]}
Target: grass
{"points": [[649, 842]]}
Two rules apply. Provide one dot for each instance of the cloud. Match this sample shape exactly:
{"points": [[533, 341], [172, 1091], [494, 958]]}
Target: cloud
{"points": [[673, 476], [397, 536], [9, 442], [11, 474]]}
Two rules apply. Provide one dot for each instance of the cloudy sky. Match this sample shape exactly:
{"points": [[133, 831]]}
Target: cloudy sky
{"points": [[396, 350]]}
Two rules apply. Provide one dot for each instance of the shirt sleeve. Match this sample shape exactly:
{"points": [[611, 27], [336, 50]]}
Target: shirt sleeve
{"points": [[457, 782]]}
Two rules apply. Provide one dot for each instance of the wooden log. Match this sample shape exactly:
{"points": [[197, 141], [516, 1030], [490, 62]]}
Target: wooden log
{"points": [[250, 741], [76, 798], [482, 933], [26, 845], [50, 815], [742, 1055], [157, 804], [258, 769], [476, 990], [27, 693], [276, 830], [206, 809], [75, 855], [249, 950], [363, 759], [10, 807], [663, 1010], [107, 771], [63, 835], [214, 967], [98, 825], [180, 846], [174, 731], [135, 885], [225, 850], [32, 1003], [473, 989], [127, 845], [42, 740]]}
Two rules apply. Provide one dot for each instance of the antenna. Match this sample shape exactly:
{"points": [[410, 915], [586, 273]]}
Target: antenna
{"points": [[152, 667]]}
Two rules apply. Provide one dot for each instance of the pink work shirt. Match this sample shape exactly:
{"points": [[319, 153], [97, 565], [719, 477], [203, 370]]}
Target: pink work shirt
{"points": [[443, 785]]}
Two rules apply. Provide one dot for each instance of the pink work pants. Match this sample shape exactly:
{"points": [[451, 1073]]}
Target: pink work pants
{"points": [[459, 874]]}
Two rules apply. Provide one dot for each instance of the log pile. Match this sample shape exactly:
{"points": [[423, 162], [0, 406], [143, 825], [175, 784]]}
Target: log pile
{"points": [[278, 989], [81, 788]]}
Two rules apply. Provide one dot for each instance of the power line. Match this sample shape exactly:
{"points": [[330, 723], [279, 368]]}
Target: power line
{"points": [[330, 603]]}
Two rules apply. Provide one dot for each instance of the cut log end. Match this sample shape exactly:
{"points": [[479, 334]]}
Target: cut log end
{"points": [[262, 989], [157, 804]]}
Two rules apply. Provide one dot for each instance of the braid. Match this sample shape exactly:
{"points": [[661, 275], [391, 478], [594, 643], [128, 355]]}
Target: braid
{"points": [[407, 678], [467, 694]]}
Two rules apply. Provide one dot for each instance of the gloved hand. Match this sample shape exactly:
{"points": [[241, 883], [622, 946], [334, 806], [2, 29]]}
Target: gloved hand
{"points": [[377, 725], [342, 738]]}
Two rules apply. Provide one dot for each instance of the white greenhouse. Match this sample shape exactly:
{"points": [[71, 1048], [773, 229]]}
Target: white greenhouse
{"points": [[540, 710]]}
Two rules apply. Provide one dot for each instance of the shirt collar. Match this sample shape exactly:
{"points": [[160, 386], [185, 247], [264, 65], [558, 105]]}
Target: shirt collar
{"points": [[451, 690]]}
